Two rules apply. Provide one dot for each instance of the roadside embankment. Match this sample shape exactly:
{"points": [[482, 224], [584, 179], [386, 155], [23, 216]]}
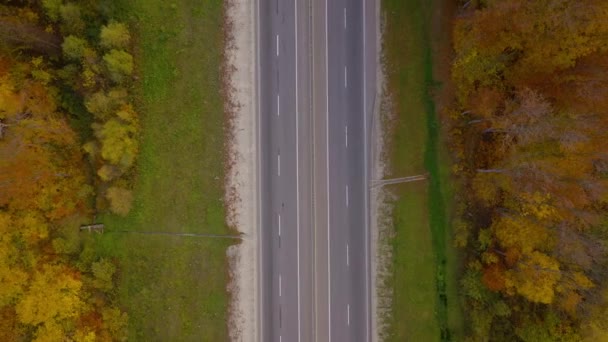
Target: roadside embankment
{"points": [[417, 285]]}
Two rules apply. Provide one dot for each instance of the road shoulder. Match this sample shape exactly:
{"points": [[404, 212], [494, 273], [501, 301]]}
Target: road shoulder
{"points": [[242, 176], [380, 210]]}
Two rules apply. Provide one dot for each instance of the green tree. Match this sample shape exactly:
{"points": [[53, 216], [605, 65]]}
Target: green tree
{"points": [[119, 64], [104, 104], [103, 270], [73, 47], [71, 18], [51, 7], [100, 105], [116, 322], [115, 36], [12, 276]]}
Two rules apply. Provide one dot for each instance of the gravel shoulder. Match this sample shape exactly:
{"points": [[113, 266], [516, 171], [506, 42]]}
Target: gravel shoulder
{"points": [[242, 178], [379, 198]]}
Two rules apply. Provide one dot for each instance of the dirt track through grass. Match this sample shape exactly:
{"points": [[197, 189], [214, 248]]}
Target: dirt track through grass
{"points": [[423, 283], [174, 287]]}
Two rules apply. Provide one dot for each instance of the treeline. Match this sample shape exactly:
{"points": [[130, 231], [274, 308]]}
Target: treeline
{"points": [[68, 143], [529, 138], [97, 65]]}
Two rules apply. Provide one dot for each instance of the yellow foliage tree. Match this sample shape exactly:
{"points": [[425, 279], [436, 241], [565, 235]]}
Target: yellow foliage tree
{"points": [[50, 332], [118, 143], [519, 232], [12, 277], [535, 277], [53, 296]]}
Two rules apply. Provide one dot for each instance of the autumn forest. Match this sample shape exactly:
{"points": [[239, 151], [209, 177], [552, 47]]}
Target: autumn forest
{"points": [[528, 135], [68, 142]]}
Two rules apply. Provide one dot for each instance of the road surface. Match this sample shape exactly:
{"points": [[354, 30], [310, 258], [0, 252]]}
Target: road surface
{"points": [[316, 67]]}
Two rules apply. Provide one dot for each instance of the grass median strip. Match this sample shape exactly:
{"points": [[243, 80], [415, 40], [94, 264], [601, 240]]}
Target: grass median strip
{"points": [[174, 287], [422, 280]]}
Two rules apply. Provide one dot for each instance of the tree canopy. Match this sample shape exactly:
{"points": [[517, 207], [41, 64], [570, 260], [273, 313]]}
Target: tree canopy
{"points": [[65, 113], [528, 132]]}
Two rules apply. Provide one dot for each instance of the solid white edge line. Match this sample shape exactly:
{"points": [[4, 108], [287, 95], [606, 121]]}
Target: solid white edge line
{"points": [[313, 278], [327, 170], [259, 167], [365, 181], [297, 167]]}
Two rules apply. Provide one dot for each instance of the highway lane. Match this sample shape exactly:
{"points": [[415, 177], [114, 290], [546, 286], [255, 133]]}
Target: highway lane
{"points": [[314, 86], [341, 114], [347, 154], [285, 196]]}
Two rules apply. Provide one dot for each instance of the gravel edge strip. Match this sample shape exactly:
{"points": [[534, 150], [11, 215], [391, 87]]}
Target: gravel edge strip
{"points": [[242, 175]]}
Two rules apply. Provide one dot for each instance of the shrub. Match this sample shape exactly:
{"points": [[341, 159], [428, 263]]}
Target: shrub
{"points": [[108, 172]]}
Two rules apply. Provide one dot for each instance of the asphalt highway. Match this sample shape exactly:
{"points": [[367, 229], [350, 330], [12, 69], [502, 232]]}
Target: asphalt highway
{"points": [[316, 66]]}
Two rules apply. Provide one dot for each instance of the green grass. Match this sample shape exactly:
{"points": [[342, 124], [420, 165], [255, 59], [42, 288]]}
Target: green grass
{"points": [[425, 304], [174, 288]]}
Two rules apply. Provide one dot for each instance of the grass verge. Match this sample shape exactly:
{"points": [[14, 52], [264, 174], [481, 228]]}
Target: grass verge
{"points": [[425, 305], [174, 288]]}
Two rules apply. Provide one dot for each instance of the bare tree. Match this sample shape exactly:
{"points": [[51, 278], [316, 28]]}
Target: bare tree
{"points": [[27, 36]]}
